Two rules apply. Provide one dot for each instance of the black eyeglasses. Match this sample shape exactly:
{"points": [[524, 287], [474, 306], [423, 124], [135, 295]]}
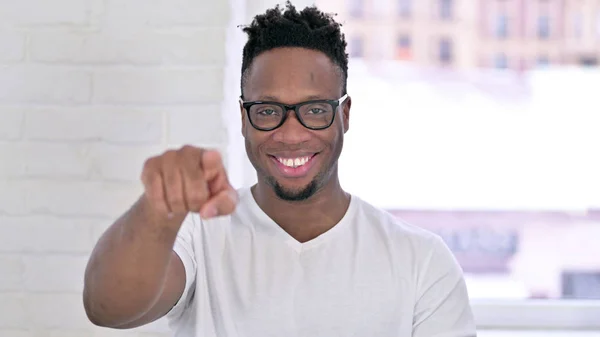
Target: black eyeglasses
{"points": [[314, 115]]}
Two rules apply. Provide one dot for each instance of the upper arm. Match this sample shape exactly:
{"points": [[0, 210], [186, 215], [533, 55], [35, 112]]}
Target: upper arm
{"points": [[442, 306]]}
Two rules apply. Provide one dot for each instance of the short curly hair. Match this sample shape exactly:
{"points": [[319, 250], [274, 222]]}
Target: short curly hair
{"points": [[309, 28]]}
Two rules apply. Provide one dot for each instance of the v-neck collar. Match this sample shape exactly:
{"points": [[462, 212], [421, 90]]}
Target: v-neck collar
{"points": [[264, 221]]}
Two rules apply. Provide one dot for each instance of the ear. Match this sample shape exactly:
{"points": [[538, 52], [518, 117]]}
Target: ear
{"points": [[346, 113], [243, 116]]}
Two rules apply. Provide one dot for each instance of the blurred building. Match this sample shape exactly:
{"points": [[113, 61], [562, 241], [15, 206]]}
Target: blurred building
{"points": [[465, 34]]}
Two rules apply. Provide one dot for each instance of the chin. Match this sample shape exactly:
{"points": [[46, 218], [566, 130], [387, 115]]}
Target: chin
{"points": [[295, 193]]}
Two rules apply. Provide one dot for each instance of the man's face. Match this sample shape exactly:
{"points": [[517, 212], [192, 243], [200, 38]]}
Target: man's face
{"points": [[294, 160]]}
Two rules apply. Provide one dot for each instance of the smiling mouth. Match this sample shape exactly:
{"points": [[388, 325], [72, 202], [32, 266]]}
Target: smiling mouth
{"points": [[294, 162]]}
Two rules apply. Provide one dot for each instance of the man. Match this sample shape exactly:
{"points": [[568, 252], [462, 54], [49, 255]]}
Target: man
{"points": [[294, 255]]}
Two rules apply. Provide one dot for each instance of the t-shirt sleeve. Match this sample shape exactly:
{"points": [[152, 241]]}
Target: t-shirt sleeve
{"points": [[184, 248], [442, 308]]}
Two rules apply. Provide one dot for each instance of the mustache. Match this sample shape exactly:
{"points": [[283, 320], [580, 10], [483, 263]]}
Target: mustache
{"points": [[293, 148]]}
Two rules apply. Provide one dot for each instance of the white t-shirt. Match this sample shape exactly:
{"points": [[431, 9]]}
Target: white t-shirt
{"points": [[369, 276]]}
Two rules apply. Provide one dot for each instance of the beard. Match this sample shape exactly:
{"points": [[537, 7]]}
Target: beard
{"points": [[288, 194]]}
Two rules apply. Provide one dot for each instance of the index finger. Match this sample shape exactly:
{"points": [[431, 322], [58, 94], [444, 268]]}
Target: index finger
{"points": [[212, 163]]}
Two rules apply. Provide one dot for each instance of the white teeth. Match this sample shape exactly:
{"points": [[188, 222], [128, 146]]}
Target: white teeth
{"points": [[294, 162]]}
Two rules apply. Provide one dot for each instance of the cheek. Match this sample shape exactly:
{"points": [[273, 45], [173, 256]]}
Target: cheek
{"points": [[254, 142]]}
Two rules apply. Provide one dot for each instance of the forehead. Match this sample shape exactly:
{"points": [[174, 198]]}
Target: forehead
{"points": [[292, 75]]}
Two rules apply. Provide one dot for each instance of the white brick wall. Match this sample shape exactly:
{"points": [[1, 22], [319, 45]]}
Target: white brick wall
{"points": [[88, 90]]}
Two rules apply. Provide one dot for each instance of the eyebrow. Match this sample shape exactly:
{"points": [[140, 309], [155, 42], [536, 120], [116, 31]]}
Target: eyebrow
{"points": [[276, 99]]}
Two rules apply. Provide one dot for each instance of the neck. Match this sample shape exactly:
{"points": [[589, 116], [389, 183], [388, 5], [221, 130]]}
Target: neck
{"points": [[307, 219]]}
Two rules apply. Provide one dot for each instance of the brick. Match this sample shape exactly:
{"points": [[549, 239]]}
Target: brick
{"points": [[89, 198], [34, 12], [11, 277], [115, 333], [54, 273], [11, 127], [57, 311], [16, 333], [147, 48], [167, 13], [13, 311], [158, 327], [200, 124], [118, 162], [74, 160], [154, 334], [65, 333], [78, 198], [13, 46], [109, 124], [47, 234], [158, 86], [27, 159], [12, 199], [44, 85]]}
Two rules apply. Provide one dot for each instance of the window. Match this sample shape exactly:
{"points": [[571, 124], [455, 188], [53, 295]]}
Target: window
{"points": [[445, 7], [500, 61], [501, 29], [405, 8], [445, 51], [356, 8], [588, 61], [542, 61], [543, 27], [404, 48], [356, 47], [476, 158], [581, 285]]}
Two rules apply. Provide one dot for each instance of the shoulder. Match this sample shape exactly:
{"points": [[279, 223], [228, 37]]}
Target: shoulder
{"points": [[398, 231]]}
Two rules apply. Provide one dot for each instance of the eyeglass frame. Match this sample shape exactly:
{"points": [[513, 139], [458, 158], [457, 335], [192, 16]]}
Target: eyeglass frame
{"points": [[335, 104]]}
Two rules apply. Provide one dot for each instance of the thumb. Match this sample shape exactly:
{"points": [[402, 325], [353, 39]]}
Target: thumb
{"points": [[223, 203]]}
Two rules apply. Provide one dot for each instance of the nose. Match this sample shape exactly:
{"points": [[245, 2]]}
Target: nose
{"points": [[292, 131]]}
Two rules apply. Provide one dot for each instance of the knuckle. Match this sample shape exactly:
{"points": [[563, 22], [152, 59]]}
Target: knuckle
{"points": [[168, 157], [188, 151], [149, 166]]}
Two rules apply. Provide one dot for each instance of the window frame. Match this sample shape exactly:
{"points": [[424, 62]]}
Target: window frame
{"points": [[536, 314]]}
